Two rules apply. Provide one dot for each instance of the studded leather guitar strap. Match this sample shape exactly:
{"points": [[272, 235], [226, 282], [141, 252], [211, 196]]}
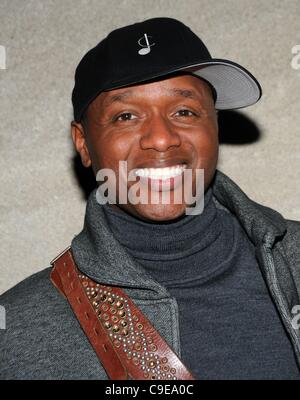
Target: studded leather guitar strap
{"points": [[124, 340]]}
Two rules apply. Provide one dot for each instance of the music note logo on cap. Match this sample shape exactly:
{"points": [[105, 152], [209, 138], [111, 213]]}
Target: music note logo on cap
{"points": [[146, 46]]}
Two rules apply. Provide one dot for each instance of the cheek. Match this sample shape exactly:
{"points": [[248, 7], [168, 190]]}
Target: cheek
{"points": [[109, 151], [207, 158], [207, 146]]}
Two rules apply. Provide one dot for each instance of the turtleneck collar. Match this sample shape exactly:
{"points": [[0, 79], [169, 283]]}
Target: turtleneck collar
{"points": [[159, 241]]}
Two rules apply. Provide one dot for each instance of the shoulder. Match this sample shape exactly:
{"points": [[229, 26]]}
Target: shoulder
{"points": [[38, 321], [31, 294], [291, 239], [43, 338], [293, 226], [32, 307]]}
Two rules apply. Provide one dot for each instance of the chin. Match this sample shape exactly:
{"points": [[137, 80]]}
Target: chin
{"points": [[159, 212]]}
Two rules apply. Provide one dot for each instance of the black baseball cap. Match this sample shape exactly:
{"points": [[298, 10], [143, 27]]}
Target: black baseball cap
{"points": [[156, 48]]}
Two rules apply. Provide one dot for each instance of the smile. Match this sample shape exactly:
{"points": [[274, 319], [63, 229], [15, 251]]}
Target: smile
{"points": [[161, 173]]}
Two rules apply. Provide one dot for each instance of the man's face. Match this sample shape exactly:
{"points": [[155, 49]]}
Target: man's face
{"points": [[170, 122]]}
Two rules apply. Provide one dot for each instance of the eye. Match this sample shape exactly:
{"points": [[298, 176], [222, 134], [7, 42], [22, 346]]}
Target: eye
{"points": [[185, 113], [124, 117]]}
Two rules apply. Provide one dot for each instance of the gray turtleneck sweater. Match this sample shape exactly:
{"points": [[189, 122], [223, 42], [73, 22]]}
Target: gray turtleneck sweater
{"points": [[229, 326]]}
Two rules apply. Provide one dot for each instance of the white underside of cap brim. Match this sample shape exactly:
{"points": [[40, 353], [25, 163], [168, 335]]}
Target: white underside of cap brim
{"points": [[234, 87]]}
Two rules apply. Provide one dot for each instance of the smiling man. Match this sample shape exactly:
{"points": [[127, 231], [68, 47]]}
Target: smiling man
{"points": [[148, 290], [160, 129]]}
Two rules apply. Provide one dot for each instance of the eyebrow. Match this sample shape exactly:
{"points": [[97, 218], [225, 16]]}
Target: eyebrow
{"points": [[187, 93], [178, 92], [120, 97]]}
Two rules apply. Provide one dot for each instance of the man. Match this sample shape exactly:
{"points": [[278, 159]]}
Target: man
{"points": [[219, 286]]}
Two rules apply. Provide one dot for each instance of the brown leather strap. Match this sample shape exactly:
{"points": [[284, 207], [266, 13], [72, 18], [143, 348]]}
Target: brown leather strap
{"points": [[126, 343]]}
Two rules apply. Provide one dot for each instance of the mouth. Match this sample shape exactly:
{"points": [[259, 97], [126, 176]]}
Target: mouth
{"points": [[161, 173]]}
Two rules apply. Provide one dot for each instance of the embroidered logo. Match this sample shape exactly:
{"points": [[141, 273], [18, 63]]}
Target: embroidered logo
{"points": [[145, 44]]}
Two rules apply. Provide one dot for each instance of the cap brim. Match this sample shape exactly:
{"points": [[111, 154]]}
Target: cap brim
{"points": [[235, 86]]}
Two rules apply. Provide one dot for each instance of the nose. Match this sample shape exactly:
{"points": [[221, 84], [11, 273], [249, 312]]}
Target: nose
{"points": [[159, 135]]}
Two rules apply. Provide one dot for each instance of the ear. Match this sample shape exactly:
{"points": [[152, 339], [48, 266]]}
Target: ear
{"points": [[79, 140]]}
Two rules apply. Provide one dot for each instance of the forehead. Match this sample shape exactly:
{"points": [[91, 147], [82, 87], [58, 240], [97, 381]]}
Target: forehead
{"points": [[183, 86]]}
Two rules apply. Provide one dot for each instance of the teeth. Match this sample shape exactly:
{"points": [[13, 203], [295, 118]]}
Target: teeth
{"points": [[160, 173]]}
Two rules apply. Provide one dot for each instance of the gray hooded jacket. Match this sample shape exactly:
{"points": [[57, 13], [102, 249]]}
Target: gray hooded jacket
{"points": [[43, 339]]}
